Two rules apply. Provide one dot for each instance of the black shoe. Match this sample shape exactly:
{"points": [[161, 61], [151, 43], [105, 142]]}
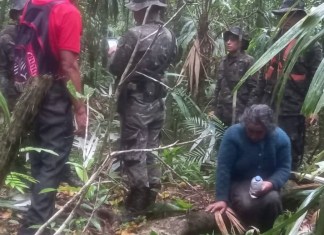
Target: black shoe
{"points": [[137, 200], [73, 181]]}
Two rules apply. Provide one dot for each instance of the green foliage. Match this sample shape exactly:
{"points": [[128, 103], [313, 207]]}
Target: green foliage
{"points": [[288, 226], [48, 190], [4, 107], [18, 181], [302, 31], [29, 149], [190, 171]]}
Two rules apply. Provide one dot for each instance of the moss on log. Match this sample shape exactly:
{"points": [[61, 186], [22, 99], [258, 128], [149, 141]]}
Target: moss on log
{"points": [[22, 118]]}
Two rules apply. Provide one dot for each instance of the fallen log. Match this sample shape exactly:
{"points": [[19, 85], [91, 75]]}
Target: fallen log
{"points": [[22, 118]]}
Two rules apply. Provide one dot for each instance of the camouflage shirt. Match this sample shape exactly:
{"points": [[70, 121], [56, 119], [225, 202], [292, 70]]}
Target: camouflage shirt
{"points": [[7, 43], [296, 89], [162, 51], [231, 70]]}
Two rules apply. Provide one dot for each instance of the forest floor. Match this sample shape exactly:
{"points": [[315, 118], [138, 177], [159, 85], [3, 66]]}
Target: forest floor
{"points": [[167, 221], [174, 200]]}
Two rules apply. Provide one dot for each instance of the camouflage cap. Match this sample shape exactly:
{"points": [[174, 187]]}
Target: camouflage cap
{"points": [[18, 5], [290, 5], [136, 5], [238, 31]]}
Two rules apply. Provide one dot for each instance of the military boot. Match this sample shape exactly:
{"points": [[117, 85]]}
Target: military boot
{"points": [[152, 194], [137, 200]]}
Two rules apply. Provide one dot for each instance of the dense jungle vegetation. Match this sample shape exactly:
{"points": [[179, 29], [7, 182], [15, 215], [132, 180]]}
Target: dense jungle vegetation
{"points": [[191, 133]]}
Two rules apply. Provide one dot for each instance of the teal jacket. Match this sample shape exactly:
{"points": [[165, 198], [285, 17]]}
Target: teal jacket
{"points": [[240, 159]]}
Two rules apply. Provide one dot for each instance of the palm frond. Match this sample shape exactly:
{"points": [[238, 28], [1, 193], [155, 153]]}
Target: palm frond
{"points": [[315, 97], [234, 223], [187, 106], [300, 31], [310, 201], [195, 124]]}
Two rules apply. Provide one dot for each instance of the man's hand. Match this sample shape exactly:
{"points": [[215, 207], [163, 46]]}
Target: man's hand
{"points": [[70, 68], [266, 187], [81, 121], [220, 206], [312, 119]]}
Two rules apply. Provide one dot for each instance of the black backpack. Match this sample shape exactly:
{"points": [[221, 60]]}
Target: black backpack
{"points": [[33, 55]]}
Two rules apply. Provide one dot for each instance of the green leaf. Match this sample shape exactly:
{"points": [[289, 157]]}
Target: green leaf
{"points": [[300, 31], [73, 92], [153, 233], [183, 204], [310, 201], [81, 171], [88, 91], [314, 100], [29, 149], [4, 107], [320, 222], [182, 106], [96, 223], [48, 190]]}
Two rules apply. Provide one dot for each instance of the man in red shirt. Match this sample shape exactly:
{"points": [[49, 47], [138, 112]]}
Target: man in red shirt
{"points": [[53, 128]]}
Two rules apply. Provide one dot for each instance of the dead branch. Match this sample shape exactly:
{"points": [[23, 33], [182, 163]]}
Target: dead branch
{"points": [[70, 217], [107, 163], [155, 80], [94, 208]]}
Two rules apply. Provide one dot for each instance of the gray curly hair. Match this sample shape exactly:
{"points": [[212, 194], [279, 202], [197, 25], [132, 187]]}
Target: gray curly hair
{"points": [[259, 113]]}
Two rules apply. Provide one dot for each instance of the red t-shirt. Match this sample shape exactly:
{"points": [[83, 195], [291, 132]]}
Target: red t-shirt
{"points": [[65, 26]]}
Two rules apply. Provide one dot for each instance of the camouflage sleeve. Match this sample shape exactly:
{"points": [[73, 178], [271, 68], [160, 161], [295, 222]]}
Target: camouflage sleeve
{"points": [[219, 79], [252, 83], [125, 48], [258, 92], [313, 58], [6, 54]]}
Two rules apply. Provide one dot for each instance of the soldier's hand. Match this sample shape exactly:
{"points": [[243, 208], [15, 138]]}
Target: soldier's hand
{"points": [[81, 121]]}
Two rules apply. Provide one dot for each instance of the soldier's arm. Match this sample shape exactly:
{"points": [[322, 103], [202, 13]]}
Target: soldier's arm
{"points": [[220, 77], [252, 84], [125, 48], [6, 52], [258, 93], [314, 58]]}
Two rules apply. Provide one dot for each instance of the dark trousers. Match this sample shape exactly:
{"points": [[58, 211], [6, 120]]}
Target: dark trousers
{"points": [[294, 126], [53, 130], [259, 212], [141, 124]]}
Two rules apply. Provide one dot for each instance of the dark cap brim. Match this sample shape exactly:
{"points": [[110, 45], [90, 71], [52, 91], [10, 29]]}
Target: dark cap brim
{"points": [[285, 10], [139, 6]]}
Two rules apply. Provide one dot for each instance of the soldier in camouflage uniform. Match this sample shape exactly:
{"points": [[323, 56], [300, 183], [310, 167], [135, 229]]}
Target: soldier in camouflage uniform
{"points": [[7, 43], [140, 103], [290, 118], [231, 69]]}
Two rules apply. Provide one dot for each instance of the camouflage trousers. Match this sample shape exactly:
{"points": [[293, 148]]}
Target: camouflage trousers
{"points": [[141, 124], [294, 126]]}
